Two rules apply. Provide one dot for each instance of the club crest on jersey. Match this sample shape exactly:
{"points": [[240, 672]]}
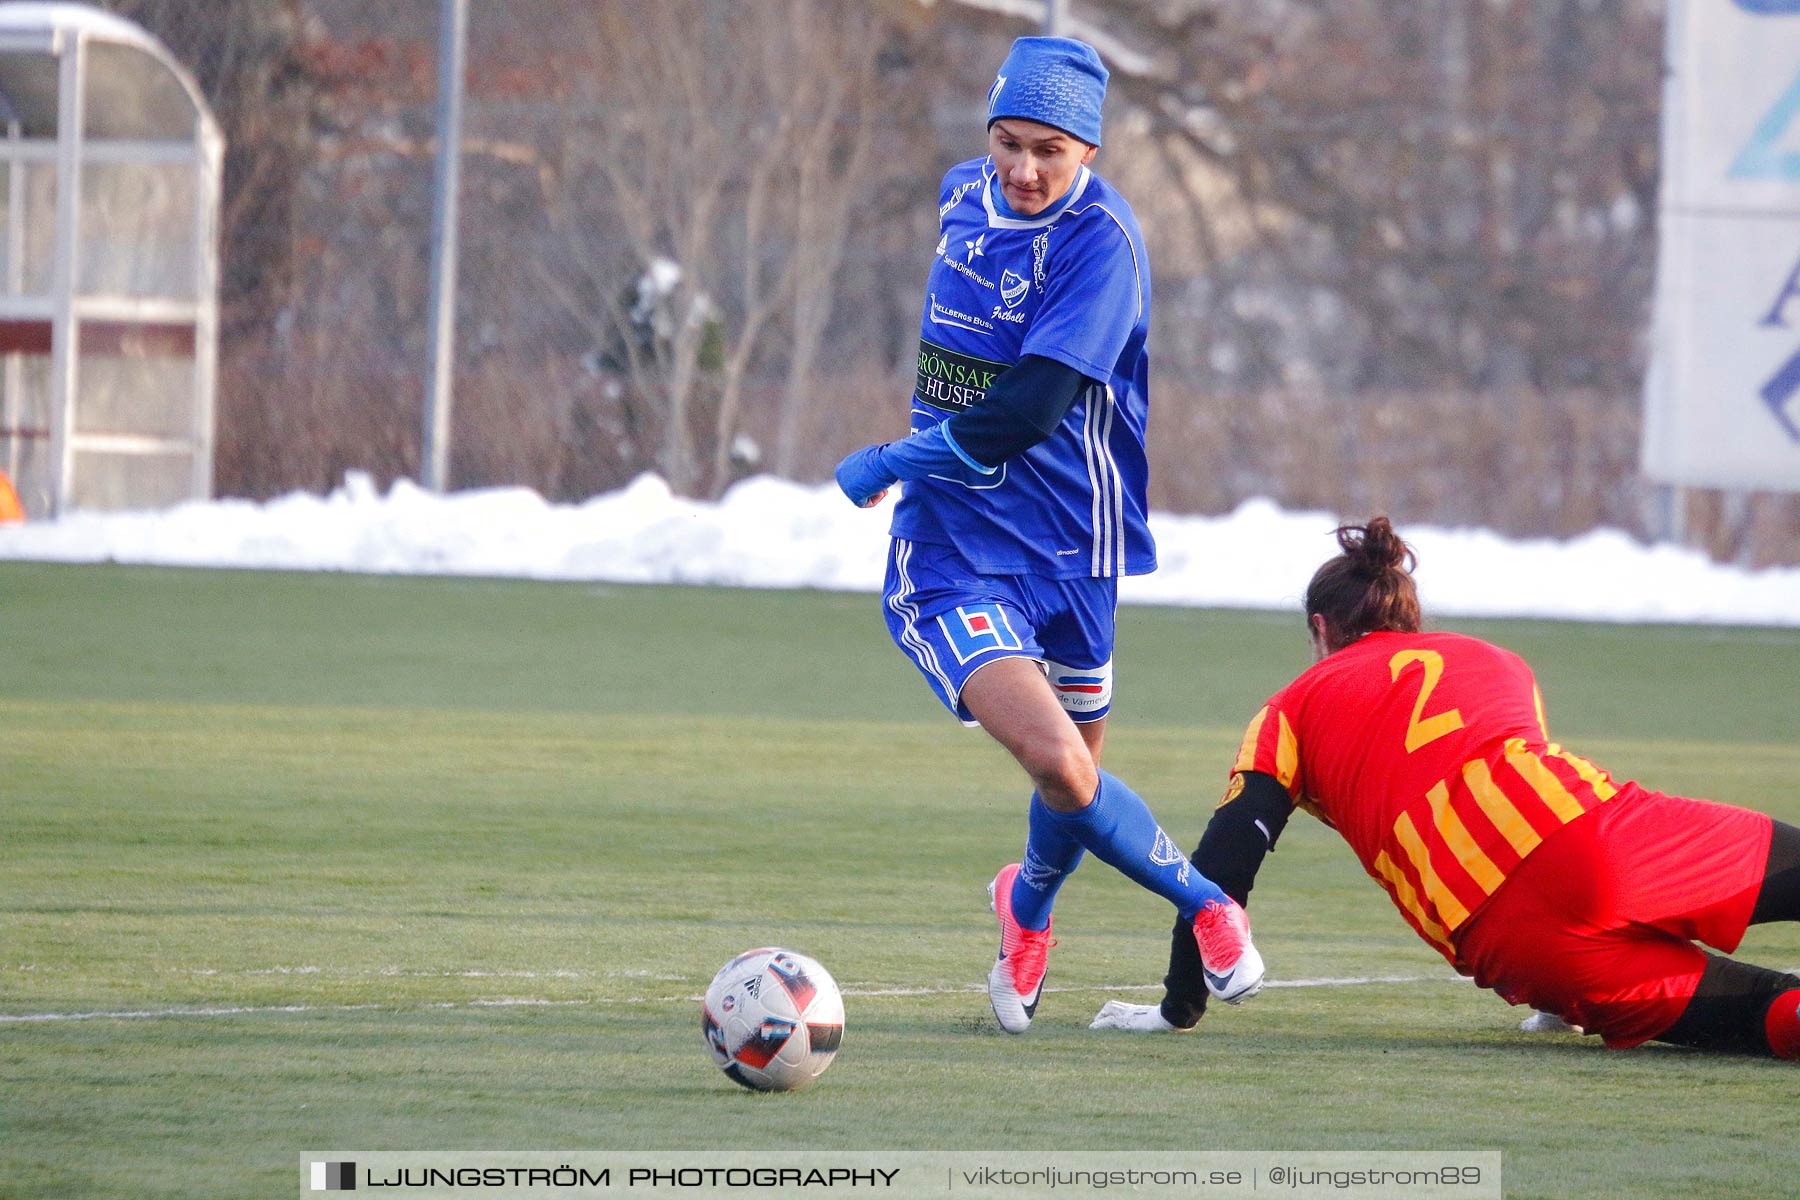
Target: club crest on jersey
{"points": [[1013, 288], [977, 629]]}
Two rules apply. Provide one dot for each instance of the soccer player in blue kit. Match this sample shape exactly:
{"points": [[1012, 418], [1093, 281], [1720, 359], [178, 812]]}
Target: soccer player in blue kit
{"points": [[1024, 502]]}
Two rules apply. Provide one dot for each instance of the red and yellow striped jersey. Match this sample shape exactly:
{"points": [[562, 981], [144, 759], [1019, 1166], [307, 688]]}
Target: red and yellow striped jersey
{"points": [[1429, 754]]}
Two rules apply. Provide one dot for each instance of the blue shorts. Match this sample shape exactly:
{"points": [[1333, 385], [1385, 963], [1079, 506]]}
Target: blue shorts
{"points": [[952, 622]]}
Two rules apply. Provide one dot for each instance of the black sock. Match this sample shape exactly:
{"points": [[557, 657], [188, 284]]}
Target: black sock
{"points": [[1729, 1007], [1779, 899], [1184, 986]]}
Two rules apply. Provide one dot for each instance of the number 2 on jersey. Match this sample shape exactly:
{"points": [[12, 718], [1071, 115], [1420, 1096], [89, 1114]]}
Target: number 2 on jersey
{"points": [[1423, 730]]}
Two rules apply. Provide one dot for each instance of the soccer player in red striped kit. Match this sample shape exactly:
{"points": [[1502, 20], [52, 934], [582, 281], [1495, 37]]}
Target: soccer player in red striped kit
{"points": [[1524, 864]]}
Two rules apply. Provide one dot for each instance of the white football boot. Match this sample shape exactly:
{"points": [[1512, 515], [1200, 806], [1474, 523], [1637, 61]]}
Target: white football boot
{"points": [[1017, 980]]}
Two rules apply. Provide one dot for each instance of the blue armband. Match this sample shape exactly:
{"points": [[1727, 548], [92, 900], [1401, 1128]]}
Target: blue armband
{"points": [[870, 471], [932, 452]]}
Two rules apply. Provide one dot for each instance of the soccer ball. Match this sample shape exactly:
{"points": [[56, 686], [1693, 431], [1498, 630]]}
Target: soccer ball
{"points": [[773, 1019]]}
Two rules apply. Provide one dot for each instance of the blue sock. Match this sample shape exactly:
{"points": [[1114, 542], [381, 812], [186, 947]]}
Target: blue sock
{"points": [[1120, 831], [1051, 853]]}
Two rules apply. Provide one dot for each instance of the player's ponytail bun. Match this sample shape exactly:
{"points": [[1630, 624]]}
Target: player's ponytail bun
{"points": [[1375, 547], [1367, 588]]}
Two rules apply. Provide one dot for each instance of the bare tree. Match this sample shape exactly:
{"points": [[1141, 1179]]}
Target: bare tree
{"points": [[1463, 187], [832, 171], [707, 168]]}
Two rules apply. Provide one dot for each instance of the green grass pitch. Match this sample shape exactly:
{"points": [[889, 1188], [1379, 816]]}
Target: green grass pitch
{"points": [[428, 864]]}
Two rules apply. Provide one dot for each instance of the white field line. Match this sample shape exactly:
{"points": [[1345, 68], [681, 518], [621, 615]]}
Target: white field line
{"points": [[397, 972], [530, 1002], [241, 1010]]}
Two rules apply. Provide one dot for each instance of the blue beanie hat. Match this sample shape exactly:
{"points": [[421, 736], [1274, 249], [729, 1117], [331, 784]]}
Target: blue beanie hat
{"points": [[1053, 81]]}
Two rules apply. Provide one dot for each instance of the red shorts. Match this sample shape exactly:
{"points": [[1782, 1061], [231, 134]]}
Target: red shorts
{"points": [[1598, 925]]}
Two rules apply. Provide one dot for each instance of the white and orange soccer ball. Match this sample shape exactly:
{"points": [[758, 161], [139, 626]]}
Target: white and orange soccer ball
{"points": [[773, 1019]]}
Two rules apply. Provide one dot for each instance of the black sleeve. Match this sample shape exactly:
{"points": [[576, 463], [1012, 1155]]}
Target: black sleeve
{"points": [[1020, 409], [1241, 832]]}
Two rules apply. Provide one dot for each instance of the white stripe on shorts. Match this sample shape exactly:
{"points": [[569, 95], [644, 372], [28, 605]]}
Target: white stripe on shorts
{"points": [[908, 612]]}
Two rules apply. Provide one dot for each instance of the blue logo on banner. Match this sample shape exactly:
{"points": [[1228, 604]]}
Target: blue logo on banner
{"points": [[1762, 156], [1783, 386], [1770, 8], [978, 628]]}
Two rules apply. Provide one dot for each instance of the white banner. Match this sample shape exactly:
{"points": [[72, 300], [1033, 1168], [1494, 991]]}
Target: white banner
{"points": [[1722, 399], [912, 1174]]}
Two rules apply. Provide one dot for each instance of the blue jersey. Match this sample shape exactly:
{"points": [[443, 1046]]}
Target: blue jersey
{"points": [[1071, 284]]}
